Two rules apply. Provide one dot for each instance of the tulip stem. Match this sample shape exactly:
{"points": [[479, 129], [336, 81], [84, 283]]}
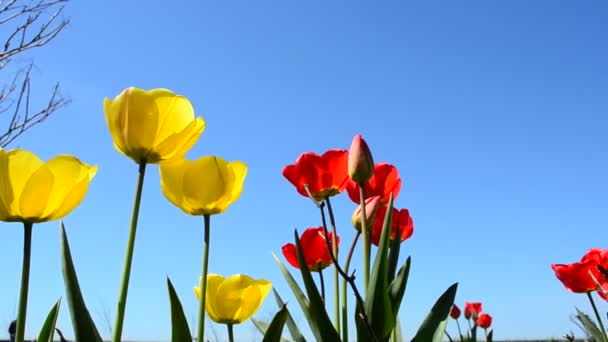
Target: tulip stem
{"points": [[459, 331], [597, 314], [25, 280], [230, 332], [351, 251], [322, 285], [485, 330], [366, 244], [203, 282], [334, 243], [126, 274]]}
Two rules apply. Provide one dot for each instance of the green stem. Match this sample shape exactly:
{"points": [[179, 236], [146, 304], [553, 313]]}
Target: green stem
{"points": [[349, 257], [459, 331], [203, 281], [485, 330], [126, 273], [230, 333], [597, 315], [322, 285], [25, 280], [366, 243], [334, 244]]}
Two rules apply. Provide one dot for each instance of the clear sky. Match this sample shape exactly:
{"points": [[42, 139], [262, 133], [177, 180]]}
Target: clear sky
{"points": [[494, 112]]}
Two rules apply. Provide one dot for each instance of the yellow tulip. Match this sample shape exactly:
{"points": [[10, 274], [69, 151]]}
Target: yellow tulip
{"points": [[205, 186], [33, 191], [234, 299], [152, 126]]}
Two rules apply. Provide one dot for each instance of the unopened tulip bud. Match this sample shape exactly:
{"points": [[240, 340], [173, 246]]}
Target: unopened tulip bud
{"points": [[484, 321], [372, 205], [360, 161], [455, 312]]}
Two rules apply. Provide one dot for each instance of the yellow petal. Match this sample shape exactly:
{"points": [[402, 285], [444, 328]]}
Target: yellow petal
{"points": [[141, 115], [171, 181], [205, 183], [76, 195], [176, 113], [21, 165], [230, 295], [35, 195], [112, 111], [213, 284], [177, 144], [252, 299], [6, 193]]}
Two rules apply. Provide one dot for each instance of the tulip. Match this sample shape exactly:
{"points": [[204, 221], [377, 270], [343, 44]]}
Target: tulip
{"points": [[152, 126], [384, 182], [372, 205], [472, 310], [325, 175], [234, 299], [206, 186], [484, 321], [455, 312], [33, 191], [401, 219], [360, 161], [314, 248]]}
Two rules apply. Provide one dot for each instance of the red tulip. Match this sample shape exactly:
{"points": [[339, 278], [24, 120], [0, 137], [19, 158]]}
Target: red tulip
{"points": [[384, 182], [472, 310], [455, 312], [360, 161], [401, 219], [484, 321], [314, 248], [372, 205], [576, 276], [326, 175]]}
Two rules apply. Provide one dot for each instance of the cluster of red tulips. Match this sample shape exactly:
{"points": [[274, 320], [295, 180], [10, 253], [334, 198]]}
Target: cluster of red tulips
{"points": [[472, 313]]}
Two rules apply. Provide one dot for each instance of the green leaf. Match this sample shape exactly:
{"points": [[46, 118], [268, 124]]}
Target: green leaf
{"points": [[274, 331], [378, 305], [48, 328], [490, 336], [393, 255], [589, 325], [179, 325], [84, 327], [294, 331], [398, 331], [397, 288], [319, 315], [433, 327], [263, 327]]}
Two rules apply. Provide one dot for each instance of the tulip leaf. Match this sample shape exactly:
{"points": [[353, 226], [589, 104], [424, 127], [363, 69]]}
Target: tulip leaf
{"points": [[490, 336], [275, 329], [396, 289], [48, 328], [294, 331], [300, 297], [82, 323], [398, 332], [393, 256], [179, 325], [321, 319], [433, 326], [263, 328], [378, 305], [589, 326]]}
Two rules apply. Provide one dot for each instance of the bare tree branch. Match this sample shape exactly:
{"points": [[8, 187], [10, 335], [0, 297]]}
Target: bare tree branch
{"points": [[37, 22]]}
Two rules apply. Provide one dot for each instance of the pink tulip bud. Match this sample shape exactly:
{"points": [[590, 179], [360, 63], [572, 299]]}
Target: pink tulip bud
{"points": [[372, 205], [360, 161]]}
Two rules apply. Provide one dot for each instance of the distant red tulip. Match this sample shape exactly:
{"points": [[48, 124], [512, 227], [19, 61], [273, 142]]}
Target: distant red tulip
{"points": [[484, 321], [401, 219], [455, 312], [314, 248], [326, 175], [472, 310], [384, 182]]}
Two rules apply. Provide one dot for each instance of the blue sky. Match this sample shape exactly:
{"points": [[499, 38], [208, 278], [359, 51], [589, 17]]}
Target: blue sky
{"points": [[494, 113]]}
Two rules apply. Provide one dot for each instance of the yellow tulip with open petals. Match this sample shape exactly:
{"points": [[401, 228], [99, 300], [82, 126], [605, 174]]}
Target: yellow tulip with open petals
{"points": [[234, 299], [206, 186], [152, 126], [33, 191]]}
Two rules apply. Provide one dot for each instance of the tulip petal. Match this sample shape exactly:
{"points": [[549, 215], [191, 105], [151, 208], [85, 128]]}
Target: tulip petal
{"points": [[76, 195], [179, 142], [205, 184], [111, 110], [252, 298], [176, 113], [36, 193], [240, 172], [171, 181], [21, 165], [229, 296], [6, 193], [213, 283]]}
